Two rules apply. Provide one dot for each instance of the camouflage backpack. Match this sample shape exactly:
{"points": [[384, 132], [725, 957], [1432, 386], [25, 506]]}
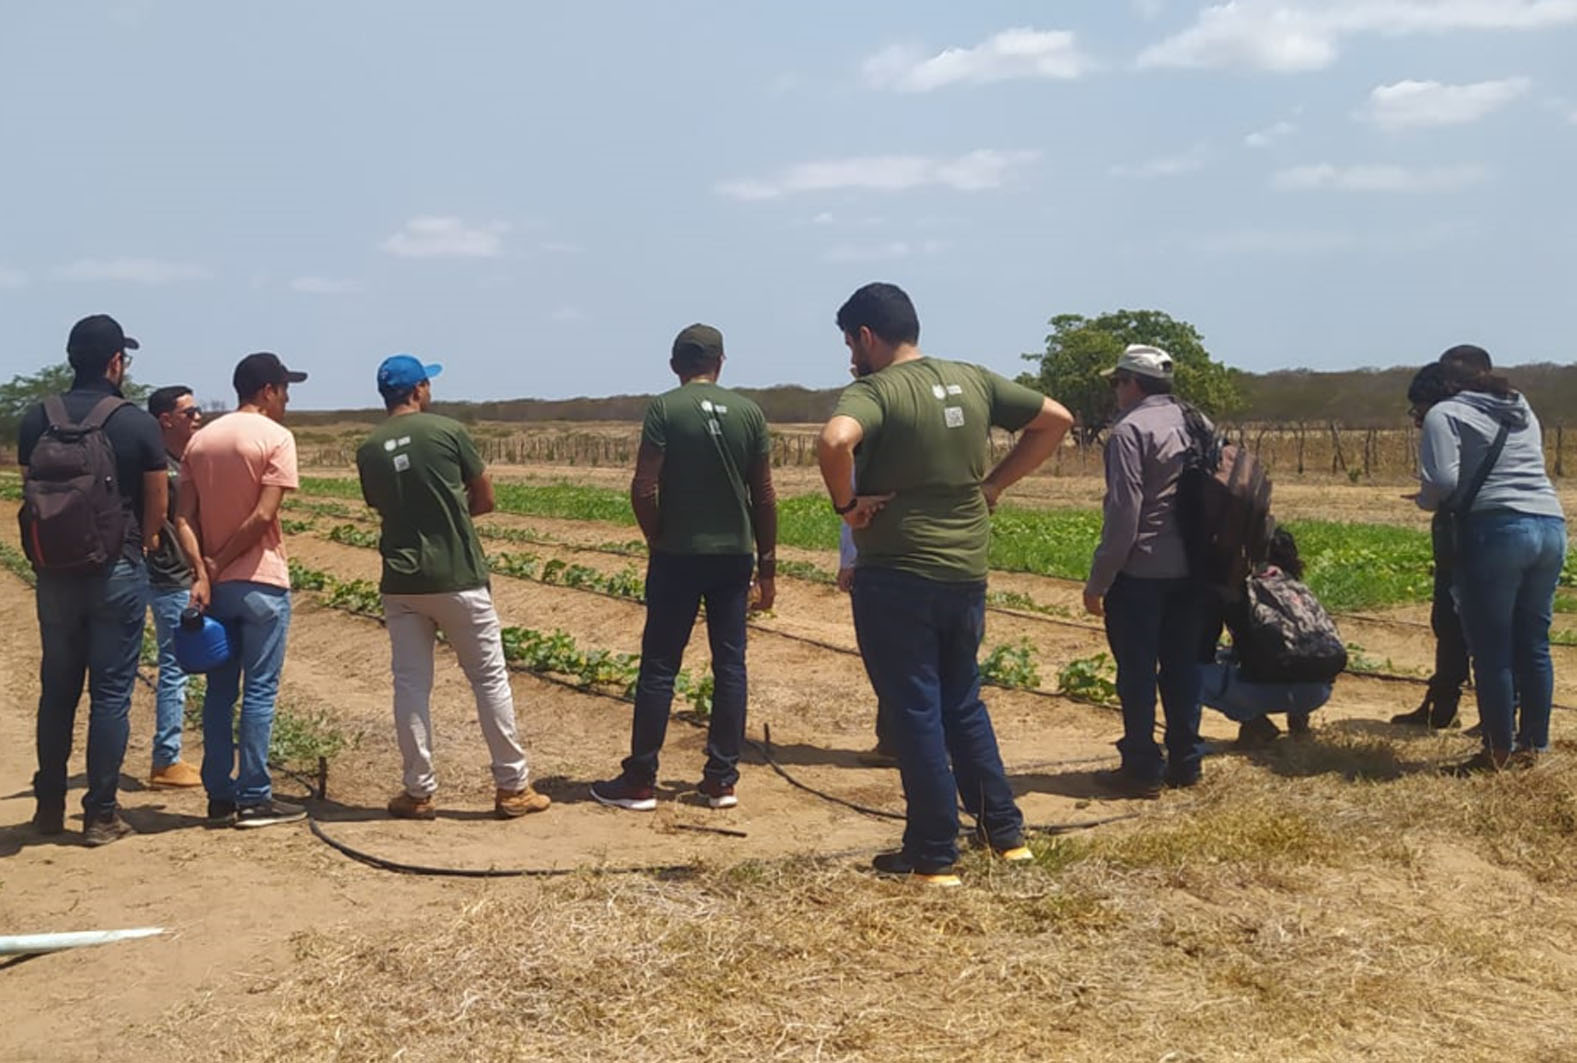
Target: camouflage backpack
{"points": [[1289, 637]]}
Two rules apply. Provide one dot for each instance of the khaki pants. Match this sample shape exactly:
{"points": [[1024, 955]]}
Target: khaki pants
{"points": [[469, 622]]}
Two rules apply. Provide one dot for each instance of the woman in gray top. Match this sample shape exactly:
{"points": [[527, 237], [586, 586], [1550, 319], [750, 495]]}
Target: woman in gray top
{"points": [[1511, 545]]}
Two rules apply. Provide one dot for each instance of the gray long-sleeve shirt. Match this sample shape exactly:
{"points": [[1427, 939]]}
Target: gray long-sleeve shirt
{"points": [[1140, 535]]}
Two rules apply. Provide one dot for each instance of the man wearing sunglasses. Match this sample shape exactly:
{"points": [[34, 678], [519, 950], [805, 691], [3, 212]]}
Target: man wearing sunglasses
{"points": [[170, 569]]}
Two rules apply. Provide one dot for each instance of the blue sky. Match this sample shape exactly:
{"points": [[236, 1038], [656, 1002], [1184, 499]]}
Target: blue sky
{"points": [[540, 196]]}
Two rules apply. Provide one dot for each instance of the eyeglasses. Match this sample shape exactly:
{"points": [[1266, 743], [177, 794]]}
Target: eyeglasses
{"points": [[125, 360], [190, 413]]}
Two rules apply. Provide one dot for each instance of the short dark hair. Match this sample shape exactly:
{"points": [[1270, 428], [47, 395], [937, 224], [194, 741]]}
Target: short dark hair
{"points": [[1283, 553], [1463, 376], [1467, 356], [162, 401], [885, 309], [399, 397], [1429, 386]]}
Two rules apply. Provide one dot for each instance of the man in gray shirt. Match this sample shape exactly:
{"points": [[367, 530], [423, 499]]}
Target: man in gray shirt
{"points": [[1139, 580]]}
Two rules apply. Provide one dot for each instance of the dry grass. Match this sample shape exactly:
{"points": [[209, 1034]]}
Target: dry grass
{"points": [[1327, 900]]}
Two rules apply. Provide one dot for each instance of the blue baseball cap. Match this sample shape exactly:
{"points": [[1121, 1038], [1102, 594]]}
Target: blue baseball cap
{"points": [[401, 372]]}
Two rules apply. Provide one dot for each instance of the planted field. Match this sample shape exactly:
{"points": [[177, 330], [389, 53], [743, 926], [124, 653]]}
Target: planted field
{"points": [[1282, 910]]}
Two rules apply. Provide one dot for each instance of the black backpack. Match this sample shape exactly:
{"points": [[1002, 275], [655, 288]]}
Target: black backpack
{"points": [[72, 516], [1223, 507], [1288, 636]]}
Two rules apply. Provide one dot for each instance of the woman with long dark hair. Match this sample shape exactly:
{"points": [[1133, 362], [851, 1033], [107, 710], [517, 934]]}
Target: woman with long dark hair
{"points": [[1482, 459]]}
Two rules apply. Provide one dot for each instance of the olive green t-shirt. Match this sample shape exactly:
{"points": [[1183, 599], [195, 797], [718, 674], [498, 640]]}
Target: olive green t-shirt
{"points": [[926, 439], [710, 437], [414, 469]]}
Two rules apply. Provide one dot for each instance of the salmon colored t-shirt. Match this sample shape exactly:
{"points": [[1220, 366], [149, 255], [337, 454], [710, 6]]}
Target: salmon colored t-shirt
{"points": [[226, 466]]}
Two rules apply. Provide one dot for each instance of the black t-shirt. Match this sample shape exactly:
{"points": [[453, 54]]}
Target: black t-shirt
{"points": [[134, 437]]}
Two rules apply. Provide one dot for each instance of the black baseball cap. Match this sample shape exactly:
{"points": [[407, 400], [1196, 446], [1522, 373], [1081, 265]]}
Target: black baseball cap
{"points": [[699, 341], [96, 339], [256, 371]]}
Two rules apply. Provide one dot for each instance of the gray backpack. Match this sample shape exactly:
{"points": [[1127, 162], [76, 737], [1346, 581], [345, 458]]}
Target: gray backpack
{"points": [[72, 516]]}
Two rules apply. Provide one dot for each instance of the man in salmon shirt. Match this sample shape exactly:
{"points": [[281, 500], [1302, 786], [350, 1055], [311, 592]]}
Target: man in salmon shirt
{"points": [[234, 476]]}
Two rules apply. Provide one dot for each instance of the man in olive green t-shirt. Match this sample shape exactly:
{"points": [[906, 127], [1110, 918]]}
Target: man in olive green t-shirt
{"points": [[702, 493], [422, 473], [918, 430]]}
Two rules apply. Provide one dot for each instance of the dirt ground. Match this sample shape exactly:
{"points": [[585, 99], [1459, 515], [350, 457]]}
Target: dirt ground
{"points": [[247, 911]]}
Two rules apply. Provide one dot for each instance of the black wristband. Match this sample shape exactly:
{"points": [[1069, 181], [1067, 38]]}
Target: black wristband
{"points": [[841, 510]]}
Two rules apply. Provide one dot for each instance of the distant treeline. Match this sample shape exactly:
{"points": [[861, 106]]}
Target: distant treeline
{"points": [[1356, 398]]}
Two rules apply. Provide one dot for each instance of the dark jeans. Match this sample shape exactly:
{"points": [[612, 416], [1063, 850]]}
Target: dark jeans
{"points": [[90, 626], [1507, 567], [676, 585], [1451, 653], [1151, 625], [919, 639]]}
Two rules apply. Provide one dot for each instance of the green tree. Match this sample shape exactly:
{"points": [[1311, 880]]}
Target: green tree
{"points": [[1078, 348], [22, 391]]}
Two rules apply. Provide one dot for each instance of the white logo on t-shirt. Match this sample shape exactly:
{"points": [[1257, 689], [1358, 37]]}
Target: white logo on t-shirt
{"points": [[402, 462], [939, 391], [954, 416]]}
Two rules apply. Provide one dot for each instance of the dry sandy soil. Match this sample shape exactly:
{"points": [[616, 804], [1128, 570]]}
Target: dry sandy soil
{"points": [[1331, 899]]}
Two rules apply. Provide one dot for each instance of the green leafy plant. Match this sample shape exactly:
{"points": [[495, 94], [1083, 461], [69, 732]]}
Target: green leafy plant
{"points": [[1011, 665], [353, 535], [1092, 679], [291, 526], [16, 562]]}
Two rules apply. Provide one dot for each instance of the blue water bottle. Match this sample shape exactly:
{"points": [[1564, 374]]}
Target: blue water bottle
{"points": [[201, 643]]}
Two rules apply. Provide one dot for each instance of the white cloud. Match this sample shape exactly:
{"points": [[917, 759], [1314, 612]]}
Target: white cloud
{"points": [[886, 173], [1264, 138], [561, 247], [12, 278], [885, 252], [1286, 37], [135, 270], [568, 313], [1008, 56], [326, 286], [824, 218], [1421, 104], [446, 237], [1166, 166], [1149, 9], [1382, 178]]}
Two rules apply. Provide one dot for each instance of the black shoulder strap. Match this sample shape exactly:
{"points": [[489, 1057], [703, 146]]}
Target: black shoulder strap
{"points": [[55, 412], [103, 410], [1465, 503]]}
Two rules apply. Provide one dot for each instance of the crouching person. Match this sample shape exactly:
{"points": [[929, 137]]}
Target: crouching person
{"points": [[423, 475], [1284, 655]]}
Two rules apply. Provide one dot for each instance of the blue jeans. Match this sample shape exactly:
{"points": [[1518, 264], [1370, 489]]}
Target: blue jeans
{"points": [[676, 584], [1240, 700], [1507, 567], [259, 618], [1154, 625], [920, 639], [170, 695], [90, 626]]}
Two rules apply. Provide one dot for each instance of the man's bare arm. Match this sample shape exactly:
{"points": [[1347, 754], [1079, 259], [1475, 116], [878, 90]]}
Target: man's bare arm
{"points": [[479, 496], [251, 531], [1037, 441], [643, 491], [155, 506]]}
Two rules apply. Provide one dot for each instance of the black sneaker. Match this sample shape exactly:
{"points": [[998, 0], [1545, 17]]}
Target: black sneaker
{"points": [[621, 793], [221, 813], [104, 829], [899, 865], [1257, 733], [1298, 724], [1119, 783], [267, 814], [50, 819], [1181, 782]]}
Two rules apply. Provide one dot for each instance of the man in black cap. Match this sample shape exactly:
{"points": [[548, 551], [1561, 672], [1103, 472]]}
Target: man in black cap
{"points": [[702, 493], [90, 608], [234, 476]]}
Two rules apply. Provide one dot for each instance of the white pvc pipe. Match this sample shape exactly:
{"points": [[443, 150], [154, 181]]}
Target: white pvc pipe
{"points": [[24, 944]]}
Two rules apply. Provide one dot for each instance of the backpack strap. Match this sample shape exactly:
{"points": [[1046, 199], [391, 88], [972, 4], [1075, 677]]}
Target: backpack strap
{"points": [[103, 410], [1481, 474], [55, 411]]}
